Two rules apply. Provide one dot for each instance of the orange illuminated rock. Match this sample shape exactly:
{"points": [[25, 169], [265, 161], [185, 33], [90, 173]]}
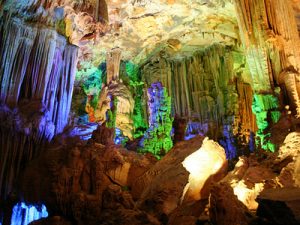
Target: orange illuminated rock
{"points": [[206, 165], [184, 174]]}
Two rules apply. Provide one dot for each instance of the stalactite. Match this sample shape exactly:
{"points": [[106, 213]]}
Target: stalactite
{"points": [[197, 83], [47, 78], [37, 69], [204, 89], [101, 11], [269, 33], [245, 119], [113, 59]]}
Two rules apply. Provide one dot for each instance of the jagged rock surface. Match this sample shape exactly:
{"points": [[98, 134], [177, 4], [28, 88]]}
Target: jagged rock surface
{"points": [[251, 178], [84, 183], [225, 209], [171, 181], [280, 206], [94, 183], [289, 157]]}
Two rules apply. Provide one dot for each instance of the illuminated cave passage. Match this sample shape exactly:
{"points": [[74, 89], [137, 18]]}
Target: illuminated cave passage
{"points": [[155, 112]]}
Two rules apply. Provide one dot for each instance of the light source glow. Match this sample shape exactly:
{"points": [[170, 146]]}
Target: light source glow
{"points": [[201, 165], [248, 195]]}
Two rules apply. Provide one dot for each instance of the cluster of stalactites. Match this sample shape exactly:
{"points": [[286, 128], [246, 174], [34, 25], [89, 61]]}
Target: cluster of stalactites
{"points": [[198, 84], [206, 89], [269, 33], [157, 139], [76, 20], [36, 65], [37, 69]]}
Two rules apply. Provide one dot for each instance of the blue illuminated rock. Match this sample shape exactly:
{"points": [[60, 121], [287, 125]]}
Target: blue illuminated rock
{"points": [[24, 214]]}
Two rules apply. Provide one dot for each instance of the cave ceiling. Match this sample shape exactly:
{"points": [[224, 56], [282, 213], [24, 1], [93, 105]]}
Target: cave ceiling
{"points": [[140, 28], [143, 28]]}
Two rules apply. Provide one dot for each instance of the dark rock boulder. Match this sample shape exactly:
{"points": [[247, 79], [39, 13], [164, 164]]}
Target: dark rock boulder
{"points": [[280, 206]]}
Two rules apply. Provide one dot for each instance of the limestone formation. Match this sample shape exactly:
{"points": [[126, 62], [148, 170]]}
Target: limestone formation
{"points": [[113, 65], [270, 37], [37, 74], [74, 19], [225, 208], [185, 174], [124, 106], [254, 181], [280, 206], [206, 90], [87, 183], [89, 90]]}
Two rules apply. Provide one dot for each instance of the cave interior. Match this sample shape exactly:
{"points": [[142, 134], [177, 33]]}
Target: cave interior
{"points": [[150, 112]]}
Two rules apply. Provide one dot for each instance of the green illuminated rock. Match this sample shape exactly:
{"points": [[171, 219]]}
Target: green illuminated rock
{"points": [[136, 85], [157, 138], [265, 107]]}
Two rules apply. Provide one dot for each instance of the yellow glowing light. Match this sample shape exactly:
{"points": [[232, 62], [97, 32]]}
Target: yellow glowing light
{"points": [[201, 165], [247, 195]]}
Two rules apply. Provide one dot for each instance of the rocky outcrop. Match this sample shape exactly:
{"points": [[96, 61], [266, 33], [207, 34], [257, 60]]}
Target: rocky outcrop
{"points": [[96, 183], [249, 177], [185, 174], [280, 206], [225, 208], [104, 135], [85, 183], [288, 159], [263, 183]]}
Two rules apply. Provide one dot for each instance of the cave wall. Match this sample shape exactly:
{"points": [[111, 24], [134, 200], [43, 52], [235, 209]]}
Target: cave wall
{"points": [[37, 70]]}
